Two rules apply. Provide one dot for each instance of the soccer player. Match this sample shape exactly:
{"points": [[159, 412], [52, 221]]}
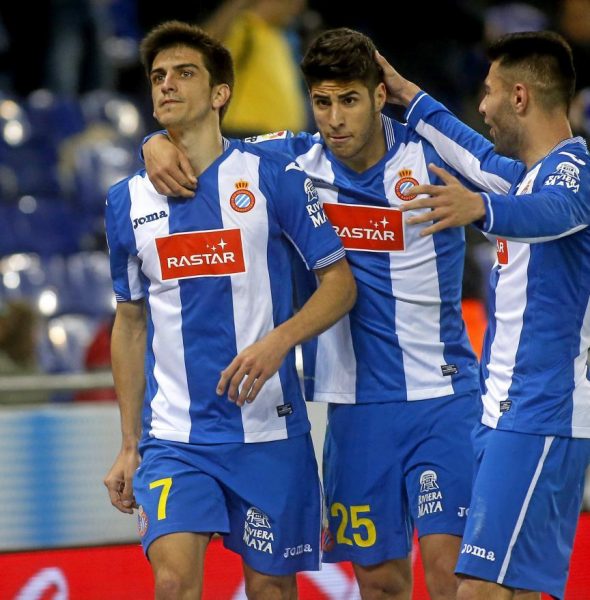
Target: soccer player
{"points": [[532, 447], [398, 372], [204, 306]]}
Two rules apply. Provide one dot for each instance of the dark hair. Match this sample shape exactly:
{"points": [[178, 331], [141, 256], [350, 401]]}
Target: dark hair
{"points": [[342, 55], [546, 60], [216, 57]]}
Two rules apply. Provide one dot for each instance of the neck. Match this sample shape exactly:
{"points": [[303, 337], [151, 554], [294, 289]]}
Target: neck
{"points": [[202, 145], [539, 140], [373, 151]]}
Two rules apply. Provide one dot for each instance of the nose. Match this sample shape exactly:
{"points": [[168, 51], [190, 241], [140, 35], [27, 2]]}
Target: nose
{"points": [[482, 107], [336, 118], [168, 83]]}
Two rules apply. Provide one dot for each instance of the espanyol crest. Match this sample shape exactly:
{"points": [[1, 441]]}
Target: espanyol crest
{"points": [[242, 200]]}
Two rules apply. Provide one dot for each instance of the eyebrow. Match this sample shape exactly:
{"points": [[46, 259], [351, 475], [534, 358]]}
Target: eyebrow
{"points": [[174, 68], [340, 96]]}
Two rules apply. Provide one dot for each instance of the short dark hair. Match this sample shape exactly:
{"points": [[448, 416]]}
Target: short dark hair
{"points": [[216, 57], [545, 58], [342, 55]]}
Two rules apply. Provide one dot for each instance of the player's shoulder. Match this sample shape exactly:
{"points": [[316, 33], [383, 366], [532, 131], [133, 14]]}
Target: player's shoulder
{"points": [[270, 157], [569, 162], [121, 192]]}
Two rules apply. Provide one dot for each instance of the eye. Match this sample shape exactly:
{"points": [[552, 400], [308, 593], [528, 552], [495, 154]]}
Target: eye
{"points": [[157, 78], [321, 102], [349, 101], [186, 74]]}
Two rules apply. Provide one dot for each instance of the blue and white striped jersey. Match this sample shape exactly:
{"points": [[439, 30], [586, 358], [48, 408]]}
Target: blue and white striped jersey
{"points": [[405, 338], [214, 272], [534, 373]]}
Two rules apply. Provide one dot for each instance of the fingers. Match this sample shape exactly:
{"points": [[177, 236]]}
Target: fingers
{"points": [[174, 184], [243, 382], [121, 495], [446, 177]]}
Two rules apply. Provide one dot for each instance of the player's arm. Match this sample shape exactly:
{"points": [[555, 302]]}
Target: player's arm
{"points": [[168, 167], [552, 212], [251, 368], [128, 344], [462, 148]]}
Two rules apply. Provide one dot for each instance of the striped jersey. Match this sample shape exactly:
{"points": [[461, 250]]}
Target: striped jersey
{"points": [[405, 338], [214, 273], [534, 375]]}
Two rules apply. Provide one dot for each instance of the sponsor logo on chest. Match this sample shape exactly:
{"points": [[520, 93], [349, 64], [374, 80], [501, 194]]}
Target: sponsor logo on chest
{"points": [[369, 228], [201, 254]]}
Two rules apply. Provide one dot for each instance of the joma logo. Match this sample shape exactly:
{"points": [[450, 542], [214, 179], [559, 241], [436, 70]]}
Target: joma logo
{"points": [[149, 218], [479, 552]]}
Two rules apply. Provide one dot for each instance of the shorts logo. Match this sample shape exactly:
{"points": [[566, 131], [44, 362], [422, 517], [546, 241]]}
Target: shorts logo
{"points": [[405, 182], [502, 251], [142, 522], [297, 550], [367, 228], [327, 540], [257, 531], [430, 497], [201, 254], [242, 200], [479, 552]]}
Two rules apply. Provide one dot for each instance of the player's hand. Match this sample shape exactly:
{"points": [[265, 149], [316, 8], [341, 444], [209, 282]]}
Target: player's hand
{"points": [[399, 90], [251, 368], [452, 204], [169, 168], [119, 481]]}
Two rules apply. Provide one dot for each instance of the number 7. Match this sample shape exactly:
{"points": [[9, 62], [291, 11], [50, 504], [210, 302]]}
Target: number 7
{"points": [[166, 484]]}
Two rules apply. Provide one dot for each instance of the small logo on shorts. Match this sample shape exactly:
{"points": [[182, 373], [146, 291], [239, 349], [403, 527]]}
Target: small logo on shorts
{"points": [[327, 540], [142, 522], [430, 497], [285, 409], [449, 370], [505, 405], [257, 531], [297, 550], [479, 552]]}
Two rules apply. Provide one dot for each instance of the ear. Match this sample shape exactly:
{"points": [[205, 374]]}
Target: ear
{"points": [[380, 96], [520, 98], [220, 95]]}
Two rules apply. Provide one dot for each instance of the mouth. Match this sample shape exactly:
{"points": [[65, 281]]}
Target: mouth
{"points": [[169, 101], [339, 139]]}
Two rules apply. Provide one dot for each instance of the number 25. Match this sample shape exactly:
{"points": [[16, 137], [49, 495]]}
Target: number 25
{"points": [[356, 522]]}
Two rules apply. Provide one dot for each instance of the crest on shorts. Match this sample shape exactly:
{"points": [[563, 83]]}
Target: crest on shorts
{"points": [[327, 540], [142, 522], [428, 481]]}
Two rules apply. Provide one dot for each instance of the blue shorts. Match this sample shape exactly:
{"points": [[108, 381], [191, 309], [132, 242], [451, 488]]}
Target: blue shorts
{"points": [[264, 498], [524, 510], [390, 467]]}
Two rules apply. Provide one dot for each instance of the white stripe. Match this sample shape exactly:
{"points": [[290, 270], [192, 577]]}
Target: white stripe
{"points": [[523, 510], [415, 288], [335, 369], [170, 405], [581, 395], [133, 270], [330, 259], [419, 98], [511, 301], [488, 202], [462, 160], [251, 292]]}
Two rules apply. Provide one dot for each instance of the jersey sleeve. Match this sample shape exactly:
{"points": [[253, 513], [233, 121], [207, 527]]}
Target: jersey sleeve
{"points": [[462, 148], [559, 207], [125, 267], [303, 220]]}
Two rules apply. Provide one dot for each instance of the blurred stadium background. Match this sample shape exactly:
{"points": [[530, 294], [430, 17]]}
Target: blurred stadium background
{"points": [[73, 109]]}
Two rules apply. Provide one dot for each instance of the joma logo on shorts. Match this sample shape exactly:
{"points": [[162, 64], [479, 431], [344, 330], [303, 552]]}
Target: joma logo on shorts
{"points": [[477, 551], [149, 218], [297, 550]]}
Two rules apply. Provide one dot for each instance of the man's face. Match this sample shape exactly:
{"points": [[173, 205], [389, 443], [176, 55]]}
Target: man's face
{"points": [[499, 114], [181, 90], [348, 116]]}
